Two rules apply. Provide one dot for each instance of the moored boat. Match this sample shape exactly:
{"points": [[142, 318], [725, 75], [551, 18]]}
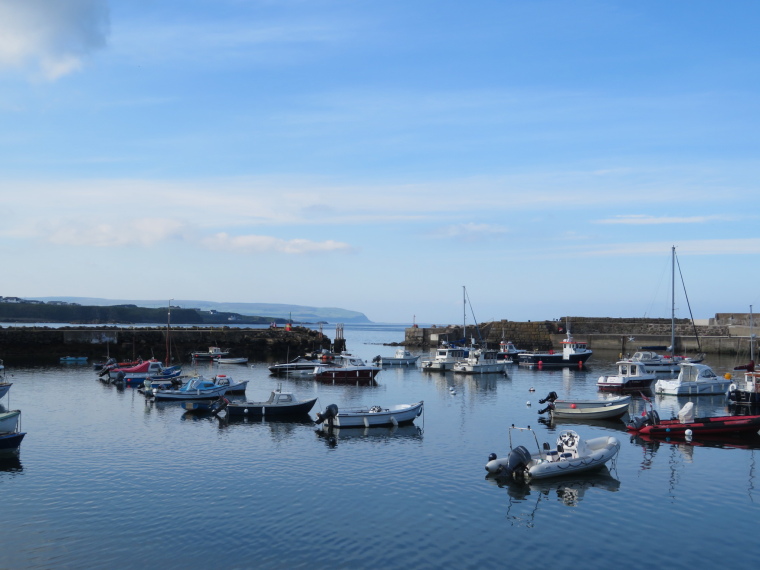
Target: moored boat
{"points": [[197, 388], [233, 360], [693, 380], [138, 374], [9, 420], [402, 357], [572, 455], [480, 362], [574, 353], [585, 409], [368, 416], [746, 392], [687, 426], [280, 404], [444, 357], [11, 442], [508, 351], [5, 388], [346, 369], [302, 365], [210, 354], [630, 377]]}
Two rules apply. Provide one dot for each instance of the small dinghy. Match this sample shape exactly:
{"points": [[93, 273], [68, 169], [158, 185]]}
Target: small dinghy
{"points": [[585, 409], [572, 455]]}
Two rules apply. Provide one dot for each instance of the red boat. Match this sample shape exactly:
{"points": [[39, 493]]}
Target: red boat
{"points": [[686, 426]]}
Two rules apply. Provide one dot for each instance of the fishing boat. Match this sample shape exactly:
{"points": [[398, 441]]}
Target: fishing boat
{"points": [[508, 351], [402, 357], [280, 404], [210, 354], [369, 416], [197, 388], [346, 368], [585, 409], [572, 455], [630, 377], [574, 353], [444, 358], [746, 392], [687, 426], [481, 361], [693, 380]]}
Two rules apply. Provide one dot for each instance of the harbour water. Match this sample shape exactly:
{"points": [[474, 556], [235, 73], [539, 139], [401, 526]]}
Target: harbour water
{"points": [[107, 479]]}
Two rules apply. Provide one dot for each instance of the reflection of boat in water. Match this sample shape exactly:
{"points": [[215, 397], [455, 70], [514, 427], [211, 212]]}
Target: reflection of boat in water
{"points": [[336, 434], [569, 489], [614, 424]]}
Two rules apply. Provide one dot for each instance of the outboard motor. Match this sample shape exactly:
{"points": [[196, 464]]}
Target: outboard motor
{"points": [[219, 405], [330, 413], [550, 398], [513, 466], [547, 408]]}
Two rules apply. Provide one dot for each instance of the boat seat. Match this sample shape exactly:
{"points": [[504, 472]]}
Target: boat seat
{"points": [[552, 455], [566, 455]]}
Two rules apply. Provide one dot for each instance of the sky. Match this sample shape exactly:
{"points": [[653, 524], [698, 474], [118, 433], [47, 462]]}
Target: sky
{"points": [[381, 156]]}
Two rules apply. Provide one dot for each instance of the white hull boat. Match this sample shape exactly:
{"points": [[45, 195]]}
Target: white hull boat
{"points": [[693, 380], [402, 358], [370, 416], [609, 409], [572, 455], [481, 362], [444, 359], [631, 377]]}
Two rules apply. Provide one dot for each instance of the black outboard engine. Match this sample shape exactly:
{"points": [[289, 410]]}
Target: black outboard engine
{"points": [[518, 459], [328, 415], [651, 419], [550, 398], [547, 408]]}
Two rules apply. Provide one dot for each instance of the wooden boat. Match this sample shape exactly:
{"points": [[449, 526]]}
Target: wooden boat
{"points": [[212, 353], [197, 388], [481, 361], [693, 380], [574, 353], [369, 416], [586, 409], [630, 377], [687, 426], [280, 404], [572, 455], [402, 357], [9, 421]]}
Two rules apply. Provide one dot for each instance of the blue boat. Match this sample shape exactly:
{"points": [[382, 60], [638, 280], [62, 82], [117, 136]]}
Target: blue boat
{"points": [[10, 442]]}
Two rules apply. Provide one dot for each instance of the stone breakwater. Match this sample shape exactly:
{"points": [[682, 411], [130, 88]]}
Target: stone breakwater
{"points": [[49, 344], [625, 335]]}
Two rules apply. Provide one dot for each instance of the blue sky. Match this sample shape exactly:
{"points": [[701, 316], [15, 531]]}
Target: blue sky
{"points": [[378, 156]]}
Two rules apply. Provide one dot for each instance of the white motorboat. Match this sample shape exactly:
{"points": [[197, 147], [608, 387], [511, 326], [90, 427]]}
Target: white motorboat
{"points": [[693, 380], [233, 360], [346, 369], [369, 416], [630, 377], [572, 455], [608, 409], [480, 362], [508, 351], [444, 357], [402, 357]]}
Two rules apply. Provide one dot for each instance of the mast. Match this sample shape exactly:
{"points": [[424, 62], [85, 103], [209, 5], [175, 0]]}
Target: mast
{"points": [[673, 302], [751, 337], [464, 313], [168, 329]]}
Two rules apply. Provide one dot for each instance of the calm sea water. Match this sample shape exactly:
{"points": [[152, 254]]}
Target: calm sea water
{"points": [[106, 479]]}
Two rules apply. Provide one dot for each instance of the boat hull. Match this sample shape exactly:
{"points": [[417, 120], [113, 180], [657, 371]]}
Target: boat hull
{"points": [[701, 426], [267, 410], [615, 384], [366, 417], [557, 359], [10, 442], [676, 388], [591, 409], [4, 388]]}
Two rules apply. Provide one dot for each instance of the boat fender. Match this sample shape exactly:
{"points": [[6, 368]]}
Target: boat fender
{"points": [[120, 377], [732, 387], [492, 456]]}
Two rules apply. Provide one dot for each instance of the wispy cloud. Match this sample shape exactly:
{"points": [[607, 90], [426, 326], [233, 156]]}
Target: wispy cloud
{"points": [[267, 244], [51, 38], [469, 231], [749, 246], [645, 220]]}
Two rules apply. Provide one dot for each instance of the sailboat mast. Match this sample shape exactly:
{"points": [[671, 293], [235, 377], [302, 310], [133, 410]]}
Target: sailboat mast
{"points": [[168, 329], [751, 337], [464, 313], [673, 301]]}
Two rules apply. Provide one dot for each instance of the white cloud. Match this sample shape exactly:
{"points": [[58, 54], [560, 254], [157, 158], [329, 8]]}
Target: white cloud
{"points": [[266, 244], [144, 232], [642, 219], [51, 37]]}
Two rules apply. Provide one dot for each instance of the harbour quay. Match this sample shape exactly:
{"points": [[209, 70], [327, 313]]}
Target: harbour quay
{"points": [[725, 333], [126, 343]]}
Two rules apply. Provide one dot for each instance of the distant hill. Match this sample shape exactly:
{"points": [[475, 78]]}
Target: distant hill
{"points": [[298, 313]]}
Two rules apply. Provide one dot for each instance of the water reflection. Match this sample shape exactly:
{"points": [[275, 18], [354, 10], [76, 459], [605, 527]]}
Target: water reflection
{"points": [[525, 498], [10, 463], [562, 423], [332, 436]]}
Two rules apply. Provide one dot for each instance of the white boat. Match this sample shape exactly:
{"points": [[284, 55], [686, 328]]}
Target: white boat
{"points": [[239, 360], [402, 357], [444, 357], [608, 409], [693, 380], [654, 362], [572, 455], [630, 377], [480, 362], [197, 388], [369, 416], [346, 369], [9, 421]]}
